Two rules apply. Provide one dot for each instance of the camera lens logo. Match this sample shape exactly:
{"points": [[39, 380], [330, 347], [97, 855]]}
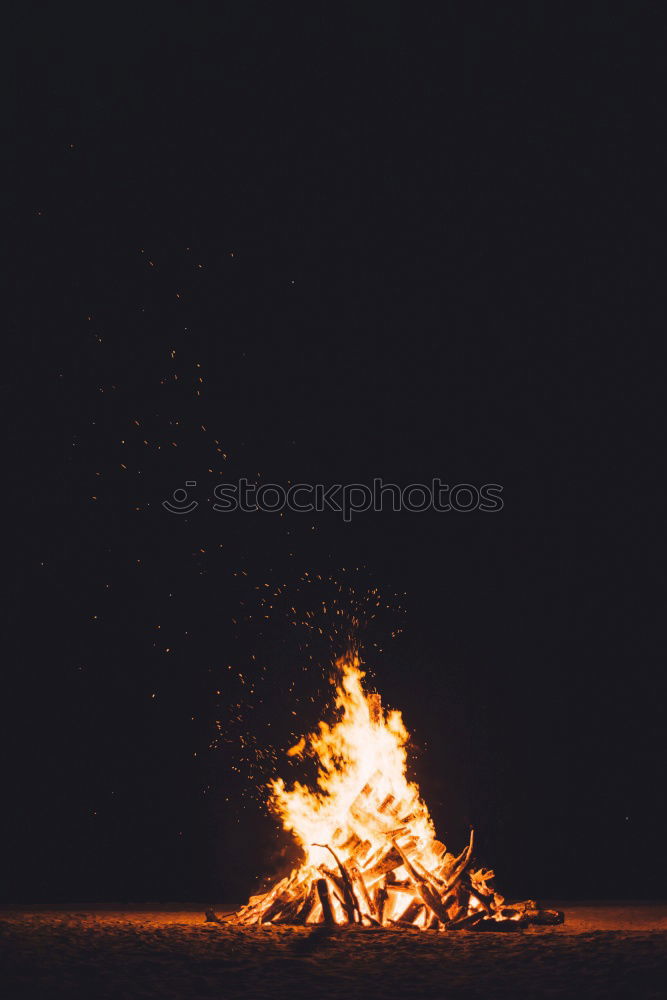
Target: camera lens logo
{"points": [[179, 501]]}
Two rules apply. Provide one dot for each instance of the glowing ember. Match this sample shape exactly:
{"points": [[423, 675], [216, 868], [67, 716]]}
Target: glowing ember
{"points": [[370, 852]]}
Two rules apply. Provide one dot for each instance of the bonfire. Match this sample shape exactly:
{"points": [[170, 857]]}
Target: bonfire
{"points": [[370, 852]]}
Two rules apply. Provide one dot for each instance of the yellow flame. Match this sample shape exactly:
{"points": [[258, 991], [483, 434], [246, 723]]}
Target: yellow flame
{"points": [[298, 748], [362, 790]]}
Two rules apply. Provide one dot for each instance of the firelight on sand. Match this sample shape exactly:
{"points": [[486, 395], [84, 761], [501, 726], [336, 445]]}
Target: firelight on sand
{"points": [[371, 856]]}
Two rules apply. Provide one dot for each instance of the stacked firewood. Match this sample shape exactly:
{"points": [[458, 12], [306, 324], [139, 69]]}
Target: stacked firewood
{"points": [[384, 882]]}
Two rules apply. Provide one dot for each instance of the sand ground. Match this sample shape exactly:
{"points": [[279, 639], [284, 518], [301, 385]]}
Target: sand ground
{"points": [[603, 950]]}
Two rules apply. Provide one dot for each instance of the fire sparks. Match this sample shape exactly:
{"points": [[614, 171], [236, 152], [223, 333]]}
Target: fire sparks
{"points": [[371, 856]]}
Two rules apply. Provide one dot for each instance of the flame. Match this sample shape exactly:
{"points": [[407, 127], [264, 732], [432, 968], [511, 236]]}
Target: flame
{"points": [[370, 851], [298, 748], [365, 748]]}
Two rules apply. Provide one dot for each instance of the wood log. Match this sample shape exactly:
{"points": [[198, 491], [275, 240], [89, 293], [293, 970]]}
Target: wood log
{"points": [[380, 900], [289, 912], [303, 899], [389, 860], [356, 848], [397, 900], [411, 912], [361, 853], [408, 843], [462, 897], [322, 888], [465, 922], [351, 843], [426, 891], [486, 902], [546, 917], [337, 887], [413, 874], [404, 884], [340, 902], [450, 905], [350, 901], [396, 889], [502, 926], [438, 884], [280, 903], [373, 857], [396, 832], [397, 809], [360, 886], [334, 878], [273, 909], [433, 901], [307, 906], [460, 864], [256, 899], [523, 905], [438, 848], [249, 914], [446, 865]]}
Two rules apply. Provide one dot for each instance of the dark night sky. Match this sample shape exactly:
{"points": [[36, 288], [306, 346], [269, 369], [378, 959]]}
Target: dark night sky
{"points": [[391, 243]]}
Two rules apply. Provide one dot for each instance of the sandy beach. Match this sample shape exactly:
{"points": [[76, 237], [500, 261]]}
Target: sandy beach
{"points": [[603, 950]]}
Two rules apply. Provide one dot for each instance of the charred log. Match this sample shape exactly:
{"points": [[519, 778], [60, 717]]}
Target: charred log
{"points": [[323, 895]]}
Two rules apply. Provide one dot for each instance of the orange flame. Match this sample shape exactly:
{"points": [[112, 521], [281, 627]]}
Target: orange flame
{"points": [[371, 856], [365, 748]]}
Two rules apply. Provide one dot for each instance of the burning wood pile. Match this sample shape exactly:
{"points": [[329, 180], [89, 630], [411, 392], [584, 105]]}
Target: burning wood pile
{"points": [[371, 857]]}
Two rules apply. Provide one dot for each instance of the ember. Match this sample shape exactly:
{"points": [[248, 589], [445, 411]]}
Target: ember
{"points": [[371, 856]]}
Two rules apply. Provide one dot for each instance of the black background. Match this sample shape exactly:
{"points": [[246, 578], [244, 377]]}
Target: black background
{"points": [[392, 242]]}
